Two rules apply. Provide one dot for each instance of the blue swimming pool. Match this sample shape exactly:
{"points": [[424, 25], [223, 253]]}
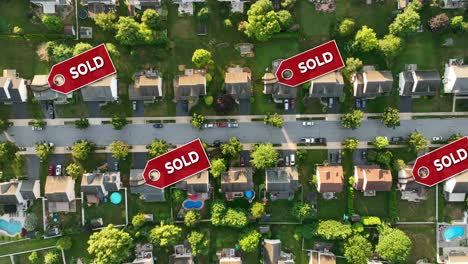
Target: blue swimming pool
{"points": [[12, 227], [116, 198], [454, 232], [189, 204], [249, 194]]}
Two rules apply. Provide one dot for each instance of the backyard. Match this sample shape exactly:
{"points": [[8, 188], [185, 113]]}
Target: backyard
{"points": [[424, 243], [423, 211], [371, 206], [109, 212]]}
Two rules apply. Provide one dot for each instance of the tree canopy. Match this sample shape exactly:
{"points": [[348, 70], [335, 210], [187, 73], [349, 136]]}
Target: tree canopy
{"points": [[357, 249], [73, 170], [82, 123], [394, 245], [151, 18], [221, 216], [352, 120], [302, 211], [274, 120], [417, 141], [8, 151], [64, 243], [138, 220], [81, 47], [331, 229], [391, 117], [346, 27], [217, 166], [43, 150], [390, 45], [52, 257], [365, 39], [264, 156], [199, 243], [109, 246], [165, 235], [439, 23], [82, 149], [119, 149], [198, 121], [201, 57], [351, 144], [257, 210], [118, 122], [249, 241], [52, 23], [406, 22], [31, 222], [353, 65], [192, 218], [232, 148], [380, 142], [106, 21]]}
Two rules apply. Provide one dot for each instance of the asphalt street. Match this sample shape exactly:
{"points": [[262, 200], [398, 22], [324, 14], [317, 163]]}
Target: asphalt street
{"points": [[252, 132]]}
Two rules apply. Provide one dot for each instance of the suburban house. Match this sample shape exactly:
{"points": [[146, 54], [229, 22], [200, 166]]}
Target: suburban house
{"points": [[185, 7], [236, 181], [42, 92], [147, 87], [182, 254], [272, 253], [409, 188], [416, 83], [198, 184], [142, 5], [450, 4], [18, 193], [14, 88], [329, 180], [371, 179], [60, 194], [104, 90], [229, 256], [371, 83], [457, 257], [48, 6], [96, 186], [238, 83], [143, 254], [99, 6], [147, 193], [328, 85], [456, 78], [282, 182], [236, 5], [278, 91], [456, 188], [190, 86], [316, 257]]}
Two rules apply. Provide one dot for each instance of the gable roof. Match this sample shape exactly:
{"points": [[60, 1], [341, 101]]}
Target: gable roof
{"points": [[237, 83], [237, 179], [272, 253], [30, 190], [461, 74], [282, 179], [277, 90], [328, 85], [419, 82], [147, 86], [330, 178], [56, 188], [325, 258], [41, 89], [102, 90], [190, 86], [198, 183], [12, 87], [9, 193], [372, 83], [96, 183], [147, 192], [377, 179]]}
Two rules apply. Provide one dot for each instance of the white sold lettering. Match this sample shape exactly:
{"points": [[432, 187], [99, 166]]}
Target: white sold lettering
{"points": [[447, 161], [180, 163], [84, 68], [312, 63]]}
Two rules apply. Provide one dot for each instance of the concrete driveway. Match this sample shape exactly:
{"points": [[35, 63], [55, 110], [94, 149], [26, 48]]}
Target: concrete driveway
{"points": [[140, 109], [359, 157], [244, 107], [139, 160], [94, 109], [112, 162], [182, 108], [34, 166], [404, 104], [20, 110]]}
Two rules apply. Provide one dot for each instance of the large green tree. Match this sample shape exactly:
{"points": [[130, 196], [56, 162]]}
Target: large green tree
{"points": [[43, 150], [264, 155], [138, 220], [81, 47], [217, 166], [417, 141], [439, 23], [352, 120], [73, 170], [119, 149], [249, 241], [82, 149], [82, 123], [406, 22], [257, 210], [109, 246], [198, 242], [332, 229], [232, 148], [52, 257], [365, 39], [7, 151], [357, 250], [198, 120], [302, 211], [165, 235], [263, 21], [157, 147], [235, 218], [394, 245], [106, 21], [390, 46], [58, 52], [151, 18], [346, 27], [201, 57], [192, 218], [380, 142], [351, 144], [34, 258], [118, 122], [128, 32], [273, 120], [31, 222], [353, 65], [52, 23], [391, 117]]}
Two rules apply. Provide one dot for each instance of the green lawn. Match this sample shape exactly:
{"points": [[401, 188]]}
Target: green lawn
{"points": [[224, 237], [433, 104], [161, 211], [281, 210], [314, 24], [27, 245], [5, 260], [424, 243], [23, 258], [78, 249], [461, 105], [379, 104], [371, 206], [76, 108], [110, 213], [332, 209], [453, 210], [288, 243], [263, 103], [423, 211]]}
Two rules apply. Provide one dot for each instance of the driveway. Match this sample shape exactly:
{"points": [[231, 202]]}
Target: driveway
{"points": [[111, 162], [244, 107], [140, 109], [33, 167], [335, 109], [94, 109], [139, 160], [20, 110], [359, 157], [182, 108], [404, 104], [334, 156]]}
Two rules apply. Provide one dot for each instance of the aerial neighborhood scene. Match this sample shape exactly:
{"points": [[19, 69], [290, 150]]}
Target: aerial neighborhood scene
{"points": [[325, 171]]}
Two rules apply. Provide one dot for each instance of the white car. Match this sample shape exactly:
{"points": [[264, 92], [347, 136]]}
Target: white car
{"points": [[437, 139], [307, 140], [208, 125], [307, 123], [134, 105], [58, 170], [286, 104]]}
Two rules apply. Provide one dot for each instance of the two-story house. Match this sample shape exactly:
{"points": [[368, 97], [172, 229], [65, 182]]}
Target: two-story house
{"points": [[48, 6], [198, 184], [96, 186], [371, 83], [102, 91], [281, 182], [238, 83], [60, 194], [236, 181], [147, 87], [279, 92], [416, 83], [328, 85], [455, 78], [42, 92], [329, 180], [14, 88], [100, 6], [371, 179], [190, 86], [146, 192], [18, 193]]}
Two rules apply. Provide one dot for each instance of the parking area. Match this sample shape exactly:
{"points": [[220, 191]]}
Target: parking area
{"points": [[182, 108], [112, 163], [139, 160], [244, 107]]}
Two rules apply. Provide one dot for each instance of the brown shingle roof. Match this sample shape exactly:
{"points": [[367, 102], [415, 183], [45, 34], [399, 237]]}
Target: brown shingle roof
{"points": [[330, 178], [237, 179], [377, 179]]}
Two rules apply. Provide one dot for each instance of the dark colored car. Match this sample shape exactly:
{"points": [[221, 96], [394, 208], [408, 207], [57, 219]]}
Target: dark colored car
{"points": [[221, 124], [158, 125], [51, 170], [320, 140], [396, 139], [293, 103]]}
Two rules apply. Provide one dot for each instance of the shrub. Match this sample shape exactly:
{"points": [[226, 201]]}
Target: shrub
{"points": [[209, 100], [370, 220], [392, 205]]}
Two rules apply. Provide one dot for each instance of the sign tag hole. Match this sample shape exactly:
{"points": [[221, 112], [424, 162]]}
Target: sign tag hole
{"points": [[423, 172], [287, 74], [59, 80], [154, 175]]}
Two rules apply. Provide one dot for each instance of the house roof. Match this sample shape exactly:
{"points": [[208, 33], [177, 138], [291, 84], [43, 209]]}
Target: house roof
{"points": [[28, 188], [40, 83], [328, 85], [146, 86], [93, 183], [282, 179], [100, 90], [237, 179], [378, 82], [461, 183], [238, 83], [377, 179], [41, 89], [331, 178], [56, 188], [325, 258], [277, 90], [15, 86], [271, 251], [461, 82], [189, 86], [420, 82], [8, 193], [147, 192], [457, 258], [230, 260], [198, 183]]}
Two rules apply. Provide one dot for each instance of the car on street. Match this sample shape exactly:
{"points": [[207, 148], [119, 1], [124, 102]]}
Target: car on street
{"points": [[58, 170], [51, 170], [437, 138], [242, 161], [307, 123], [221, 124], [233, 124], [286, 104], [396, 139], [320, 140], [308, 140], [158, 125], [208, 125]]}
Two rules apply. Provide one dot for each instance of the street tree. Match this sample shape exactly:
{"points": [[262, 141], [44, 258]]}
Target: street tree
{"points": [[73, 170], [82, 149], [346, 27], [380, 142], [417, 141], [301, 156], [249, 241], [302, 211], [394, 245], [109, 246], [365, 39], [192, 218], [119, 149], [357, 249], [257, 210], [352, 120], [273, 120], [82, 123], [351, 144], [165, 235], [332, 229], [217, 166], [52, 257], [118, 122], [138, 220], [38, 123], [52, 23], [201, 57], [198, 121], [439, 23], [208, 100], [264, 155], [106, 21], [4, 125], [199, 243], [81, 47], [43, 150], [391, 117], [157, 147], [390, 46], [285, 19], [34, 258], [406, 22], [151, 18], [232, 148], [353, 65], [64, 243], [8, 151], [454, 137]]}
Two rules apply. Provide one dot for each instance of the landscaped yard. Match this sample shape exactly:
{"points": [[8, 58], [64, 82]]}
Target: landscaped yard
{"points": [[23, 258], [424, 243], [288, 243], [110, 213], [161, 210], [223, 237], [423, 211], [433, 104], [453, 210], [26, 245], [371, 206], [332, 209]]}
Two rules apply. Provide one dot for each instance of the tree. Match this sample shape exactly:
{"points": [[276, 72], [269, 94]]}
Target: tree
{"points": [[73, 170], [81, 47], [235, 218], [165, 235], [284, 19], [204, 15], [218, 210], [4, 125], [58, 52], [151, 18], [201, 57], [106, 21], [302, 211], [287, 3], [113, 52], [417, 141], [439, 23], [128, 32], [391, 117], [346, 27], [371, 220], [119, 149], [52, 257], [232, 148], [457, 23], [274, 120], [224, 103], [52, 23], [8, 151], [380, 142], [157, 147], [119, 122], [31, 222], [399, 164], [198, 242], [257, 210], [217, 166], [262, 21], [357, 249], [34, 258], [178, 196], [353, 65], [208, 100], [109, 246], [351, 144], [406, 22], [64, 243], [82, 149], [394, 245], [38, 123], [82, 123], [227, 23], [192, 218], [352, 120], [365, 39], [43, 150], [390, 46], [198, 121], [301, 156], [454, 137], [264, 156], [331, 230], [249, 241], [138, 220]]}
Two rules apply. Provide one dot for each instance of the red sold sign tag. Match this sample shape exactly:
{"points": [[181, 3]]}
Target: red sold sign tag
{"points": [[442, 163], [176, 165], [81, 70], [310, 64]]}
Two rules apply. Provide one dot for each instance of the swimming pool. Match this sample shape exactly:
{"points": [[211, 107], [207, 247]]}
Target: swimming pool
{"points": [[11, 227], [189, 204], [249, 194], [116, 198], [454, 232]]}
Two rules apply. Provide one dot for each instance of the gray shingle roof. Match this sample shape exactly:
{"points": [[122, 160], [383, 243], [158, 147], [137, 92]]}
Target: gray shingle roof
{"points": [[279, 179]]}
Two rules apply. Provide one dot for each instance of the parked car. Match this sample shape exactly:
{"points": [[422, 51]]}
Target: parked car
{"points": [[221, 124], [58, 170], [51, 170], [293, 104], [286, 162], [307, 123], [158, 125], [320, 140], [437, 138], [363, 103], [330, 102], [292, 162], [242, 161], [363, 155], [208, 125], [358, 103], [396, 139], [51, 144], [134, 105], [216, 143], [307, 140], [286, 104], [233, 124], [116, 165]]}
